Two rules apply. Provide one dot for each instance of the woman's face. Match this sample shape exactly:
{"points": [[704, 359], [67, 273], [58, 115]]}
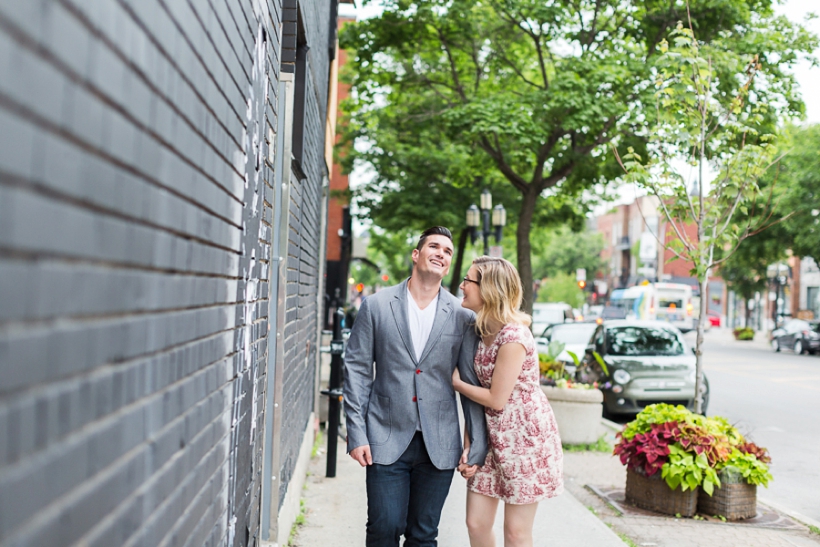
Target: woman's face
{"points": [[472, 294]]}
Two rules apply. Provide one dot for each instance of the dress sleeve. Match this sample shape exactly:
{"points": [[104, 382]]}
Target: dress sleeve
{"points": [[515, 333]]}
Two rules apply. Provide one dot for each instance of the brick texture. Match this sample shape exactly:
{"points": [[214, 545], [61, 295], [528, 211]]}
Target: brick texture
{"points": [[135, 233]]}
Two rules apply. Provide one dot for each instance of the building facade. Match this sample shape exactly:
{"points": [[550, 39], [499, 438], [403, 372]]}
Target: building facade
{"points": [[163, 198]]}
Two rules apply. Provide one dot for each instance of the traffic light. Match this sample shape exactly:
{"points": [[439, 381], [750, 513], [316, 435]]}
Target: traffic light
{"points": [[582, 284], [360, 287], [385, 277]]}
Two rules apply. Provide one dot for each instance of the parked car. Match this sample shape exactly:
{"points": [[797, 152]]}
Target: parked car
{"points": [[798, 335], [545, 314], [574, 336], [648, 362]]}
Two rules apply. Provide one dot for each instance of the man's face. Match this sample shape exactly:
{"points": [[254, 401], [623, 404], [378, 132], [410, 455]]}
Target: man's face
{"points": [[434, 257]]}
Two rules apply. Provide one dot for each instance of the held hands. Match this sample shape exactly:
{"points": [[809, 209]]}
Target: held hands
{"points": [[466, 471], [362, 455]]}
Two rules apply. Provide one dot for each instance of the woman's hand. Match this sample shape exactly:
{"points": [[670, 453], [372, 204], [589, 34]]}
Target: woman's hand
{"points": [[457, 380]]}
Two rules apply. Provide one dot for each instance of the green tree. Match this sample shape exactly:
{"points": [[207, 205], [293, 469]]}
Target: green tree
{"points": [[561, 287], [561, 250], [694, 126], [528, 94], [799, 190]]}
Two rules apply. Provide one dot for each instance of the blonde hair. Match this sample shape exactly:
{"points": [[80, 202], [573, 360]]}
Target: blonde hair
{"points": [[500, 289]]}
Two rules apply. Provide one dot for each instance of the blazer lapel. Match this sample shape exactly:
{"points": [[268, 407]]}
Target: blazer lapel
{"points": [[399, 307], [443, 312]]}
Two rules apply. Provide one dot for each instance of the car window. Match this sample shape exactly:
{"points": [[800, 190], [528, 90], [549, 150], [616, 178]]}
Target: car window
{"points": [[815, 327], [634, 340], [797, 325]]}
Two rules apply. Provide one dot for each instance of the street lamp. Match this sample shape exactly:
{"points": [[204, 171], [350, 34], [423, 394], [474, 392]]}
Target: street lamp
{"points": [[475, 218], [778, 276]]}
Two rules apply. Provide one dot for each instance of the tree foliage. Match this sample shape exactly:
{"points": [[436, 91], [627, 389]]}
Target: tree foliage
{"points": [[560, 250], [799, 190], [528, 94], [696, 130]]}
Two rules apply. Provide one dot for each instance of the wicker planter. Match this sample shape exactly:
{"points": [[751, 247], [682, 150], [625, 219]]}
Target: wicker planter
{"points": [[734, 500], [654, 494], [577, 413]]}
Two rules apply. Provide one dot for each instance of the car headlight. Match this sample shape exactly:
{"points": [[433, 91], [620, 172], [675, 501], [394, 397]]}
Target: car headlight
{"points": [[621, 376]]}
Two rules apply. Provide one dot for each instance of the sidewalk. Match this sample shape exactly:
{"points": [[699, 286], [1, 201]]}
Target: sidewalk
{"points": [[336, 512]]}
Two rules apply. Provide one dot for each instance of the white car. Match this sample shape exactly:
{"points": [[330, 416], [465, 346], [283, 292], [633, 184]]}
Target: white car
{"points": [[574, 336], [550, 313]]}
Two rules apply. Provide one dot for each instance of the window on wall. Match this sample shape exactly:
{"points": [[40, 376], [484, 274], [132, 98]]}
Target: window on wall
{"points": [[813, 300]]}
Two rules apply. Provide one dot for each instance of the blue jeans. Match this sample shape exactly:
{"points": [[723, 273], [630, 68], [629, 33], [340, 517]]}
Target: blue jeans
{"points": [[406, 497]]}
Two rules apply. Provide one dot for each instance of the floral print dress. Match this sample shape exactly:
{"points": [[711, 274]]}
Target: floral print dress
{"points": [[525, 463]]}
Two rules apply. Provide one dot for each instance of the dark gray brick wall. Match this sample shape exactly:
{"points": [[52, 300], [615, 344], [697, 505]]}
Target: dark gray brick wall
{"points": [[135, 229]]}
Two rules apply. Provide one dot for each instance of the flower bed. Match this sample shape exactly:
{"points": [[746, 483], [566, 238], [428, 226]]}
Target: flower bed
{"points": [[744, 333], [692, 452]]}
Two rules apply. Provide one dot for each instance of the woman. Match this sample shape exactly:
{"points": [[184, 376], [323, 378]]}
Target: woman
{"points": [[525, 461]]}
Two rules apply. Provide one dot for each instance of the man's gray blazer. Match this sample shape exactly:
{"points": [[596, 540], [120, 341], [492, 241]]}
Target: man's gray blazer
{"points": [[381, 408]]}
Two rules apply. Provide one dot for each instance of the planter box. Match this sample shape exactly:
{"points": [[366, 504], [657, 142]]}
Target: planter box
{"points": [[734, 501], [654, 494], [578, 413]]}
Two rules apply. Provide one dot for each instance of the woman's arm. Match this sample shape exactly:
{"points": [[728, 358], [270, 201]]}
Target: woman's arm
{"points": [[508, 365]]}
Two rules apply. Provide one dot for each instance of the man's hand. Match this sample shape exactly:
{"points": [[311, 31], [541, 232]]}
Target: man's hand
{"points": [[466, 471], [362, 455]]}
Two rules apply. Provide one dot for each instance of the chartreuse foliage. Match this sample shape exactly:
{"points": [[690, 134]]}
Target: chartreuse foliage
{"points": [[526, 96], [690, 450]]}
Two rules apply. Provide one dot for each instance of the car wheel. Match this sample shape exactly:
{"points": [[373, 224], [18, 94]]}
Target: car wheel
{"points": [[798, 347], [775, 345]]}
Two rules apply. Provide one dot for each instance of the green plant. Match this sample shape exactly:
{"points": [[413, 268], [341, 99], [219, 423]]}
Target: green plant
{"points": [[747, 468], [601, 445], [553, 371], [690, 449], [689, 471], [317, 443], [814, 529], [744, 333]]}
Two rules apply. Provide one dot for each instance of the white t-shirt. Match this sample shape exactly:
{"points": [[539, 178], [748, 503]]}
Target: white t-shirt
{"points": [[421, 322]]}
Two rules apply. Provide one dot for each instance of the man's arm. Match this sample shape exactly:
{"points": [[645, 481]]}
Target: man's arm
{"points": [[358, 380], [474, 419]]}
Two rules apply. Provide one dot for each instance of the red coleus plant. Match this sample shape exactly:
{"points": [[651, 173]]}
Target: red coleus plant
{"points": [[697, 439], [758, 452], [647, 452]]}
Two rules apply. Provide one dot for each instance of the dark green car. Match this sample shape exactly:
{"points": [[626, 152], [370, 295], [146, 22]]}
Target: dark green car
{"points": [[648, 362]]}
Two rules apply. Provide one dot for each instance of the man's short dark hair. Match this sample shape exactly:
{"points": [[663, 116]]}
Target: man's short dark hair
{"points": [[434, 231]]}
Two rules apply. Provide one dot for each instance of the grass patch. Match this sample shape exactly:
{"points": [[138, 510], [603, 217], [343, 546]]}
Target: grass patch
{"points": [[814, 529], [317, 443], [300, 521], [601, 445]]}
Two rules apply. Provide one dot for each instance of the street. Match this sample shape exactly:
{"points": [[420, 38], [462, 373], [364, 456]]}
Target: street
{"points": [[774, 399]]}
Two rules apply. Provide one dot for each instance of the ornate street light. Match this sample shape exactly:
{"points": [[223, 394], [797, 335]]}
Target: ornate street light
{"points": [[475, 218], [778, 275]]}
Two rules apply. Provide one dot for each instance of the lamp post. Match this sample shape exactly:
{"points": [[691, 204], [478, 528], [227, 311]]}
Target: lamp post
{"points": [[481, 219], [778, 276]]}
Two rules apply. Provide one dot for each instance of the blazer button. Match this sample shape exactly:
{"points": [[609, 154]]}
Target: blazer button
{"points": [[418, 371], [414, 398]]}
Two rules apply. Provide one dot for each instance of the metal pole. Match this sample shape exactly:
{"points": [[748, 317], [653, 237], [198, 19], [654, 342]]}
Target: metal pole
{"points": [[334, 391], [485, 231]]}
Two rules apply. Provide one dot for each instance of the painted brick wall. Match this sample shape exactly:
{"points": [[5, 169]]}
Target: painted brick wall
{"points": [[135, 230]]}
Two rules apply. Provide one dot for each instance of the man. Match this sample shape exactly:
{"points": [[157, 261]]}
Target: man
{"points": [[402, 423]]}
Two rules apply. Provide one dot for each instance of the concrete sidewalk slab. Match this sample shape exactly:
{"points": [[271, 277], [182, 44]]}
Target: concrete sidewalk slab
{"points": [[336, 512]]}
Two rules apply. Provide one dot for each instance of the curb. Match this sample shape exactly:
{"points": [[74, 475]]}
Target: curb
{"points": [[611, 426], [808, 521]]}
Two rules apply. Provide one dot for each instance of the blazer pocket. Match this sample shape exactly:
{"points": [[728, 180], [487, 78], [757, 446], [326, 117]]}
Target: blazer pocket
{"points": [[449, 434], [378, 420]]}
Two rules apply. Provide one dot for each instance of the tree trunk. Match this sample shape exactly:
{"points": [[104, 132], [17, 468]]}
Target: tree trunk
{"points": [[699, 343], [455, 280], [524, 249]]}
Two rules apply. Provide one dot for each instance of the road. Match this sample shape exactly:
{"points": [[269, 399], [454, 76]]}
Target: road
{"points": [[774, 399]]}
